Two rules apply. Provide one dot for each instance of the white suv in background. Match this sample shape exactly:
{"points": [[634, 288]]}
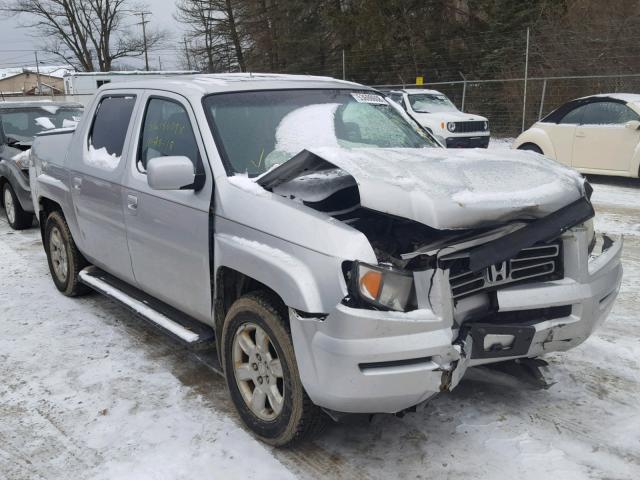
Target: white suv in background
{"points": [[435, 112]]}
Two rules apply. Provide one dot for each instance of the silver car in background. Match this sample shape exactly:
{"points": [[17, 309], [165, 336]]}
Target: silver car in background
{"points": [[20, 122]]}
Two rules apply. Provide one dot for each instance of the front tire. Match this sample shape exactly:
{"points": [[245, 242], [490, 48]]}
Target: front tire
{"points": [[65, 260], [18, 219], [262, 374]]}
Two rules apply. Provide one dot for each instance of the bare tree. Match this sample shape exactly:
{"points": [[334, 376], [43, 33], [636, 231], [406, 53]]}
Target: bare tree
{"points": [[213, 33], [88, 34]]}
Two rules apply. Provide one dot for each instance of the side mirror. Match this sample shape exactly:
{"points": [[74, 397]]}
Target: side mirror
{"points": [[170, 173], [633, 125]]}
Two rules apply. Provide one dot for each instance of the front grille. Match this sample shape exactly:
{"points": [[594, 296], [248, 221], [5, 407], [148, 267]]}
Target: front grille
{"points": [[539, 262], [469, 127]]}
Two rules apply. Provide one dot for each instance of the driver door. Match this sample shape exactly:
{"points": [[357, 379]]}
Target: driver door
{"points": [[603, 141]]}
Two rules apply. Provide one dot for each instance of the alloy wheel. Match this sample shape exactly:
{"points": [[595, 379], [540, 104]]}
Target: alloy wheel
{"points": [[58, 255], [9, 207], [258, 371]]}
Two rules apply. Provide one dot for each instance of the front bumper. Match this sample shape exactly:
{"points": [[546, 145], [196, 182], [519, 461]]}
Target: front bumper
{"points": [[471, 141], [363, 361]]}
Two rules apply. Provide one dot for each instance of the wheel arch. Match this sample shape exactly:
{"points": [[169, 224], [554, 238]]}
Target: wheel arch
{"points": [[44, 208], [538, 137]]}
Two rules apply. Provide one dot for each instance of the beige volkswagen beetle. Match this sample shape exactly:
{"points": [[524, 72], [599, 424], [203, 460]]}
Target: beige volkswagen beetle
{"points": [[599, 134]]}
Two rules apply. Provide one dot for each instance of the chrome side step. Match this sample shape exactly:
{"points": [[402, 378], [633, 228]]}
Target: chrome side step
{"points": [[184, 328]]}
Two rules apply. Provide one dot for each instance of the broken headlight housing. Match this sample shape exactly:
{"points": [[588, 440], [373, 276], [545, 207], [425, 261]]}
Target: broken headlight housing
{"points": [[22, 160], [383, 287]]}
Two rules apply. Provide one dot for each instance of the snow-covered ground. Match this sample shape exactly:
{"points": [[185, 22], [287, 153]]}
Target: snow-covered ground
{"points": [[500, 143], [89, 391]]}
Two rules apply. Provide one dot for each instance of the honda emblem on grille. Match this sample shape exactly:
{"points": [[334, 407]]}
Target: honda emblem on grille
{"points": [[498, 272]]}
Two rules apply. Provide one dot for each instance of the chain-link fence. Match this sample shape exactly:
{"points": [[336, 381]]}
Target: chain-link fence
{"points": [[503, 100]]}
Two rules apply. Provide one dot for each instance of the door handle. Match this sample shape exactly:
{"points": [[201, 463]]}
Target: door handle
{"points": [[580, 135], [132, 202], [77, 183]]}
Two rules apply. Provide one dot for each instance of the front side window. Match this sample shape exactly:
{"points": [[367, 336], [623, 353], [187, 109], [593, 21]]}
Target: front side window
{"points": [[258, 130], [109, 131], [430, 103], [166, 132], [608, 113]]}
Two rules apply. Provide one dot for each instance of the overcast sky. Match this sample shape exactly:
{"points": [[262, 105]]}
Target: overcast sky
{"points": [[17, 44]]}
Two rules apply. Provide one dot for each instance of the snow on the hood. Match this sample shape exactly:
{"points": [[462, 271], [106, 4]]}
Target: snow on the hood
{"points": [[100, 158], [467, 176], [45, 123], [457, 189]]}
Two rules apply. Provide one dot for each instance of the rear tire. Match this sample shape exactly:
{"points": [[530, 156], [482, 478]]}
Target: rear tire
{"points": [[16, 216], [65, 260], [262, 374], [532, 147]]}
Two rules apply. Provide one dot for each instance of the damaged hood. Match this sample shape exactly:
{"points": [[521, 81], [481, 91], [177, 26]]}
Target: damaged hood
{"points": [[445, 189]]}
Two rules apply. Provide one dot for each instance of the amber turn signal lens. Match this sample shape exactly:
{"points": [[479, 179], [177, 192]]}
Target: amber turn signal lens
{"points": [[371, 283]]}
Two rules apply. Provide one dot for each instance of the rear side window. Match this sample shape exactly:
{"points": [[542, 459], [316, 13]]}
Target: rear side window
{"points": [[166, 132], [109, 131]]}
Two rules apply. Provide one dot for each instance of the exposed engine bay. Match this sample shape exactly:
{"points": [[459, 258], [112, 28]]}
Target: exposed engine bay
{"points": [[473, 263]]}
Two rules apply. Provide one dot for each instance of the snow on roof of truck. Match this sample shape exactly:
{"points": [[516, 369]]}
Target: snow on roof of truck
{"points": [[131, 72], [202, 84]]}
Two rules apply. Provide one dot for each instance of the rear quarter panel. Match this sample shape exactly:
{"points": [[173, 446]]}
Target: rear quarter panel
{"points": [[49, 156]]}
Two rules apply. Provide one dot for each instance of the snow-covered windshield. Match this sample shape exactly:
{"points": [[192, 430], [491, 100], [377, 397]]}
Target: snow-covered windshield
{"points": [[23, 124], [258, 130], [430, 103]]}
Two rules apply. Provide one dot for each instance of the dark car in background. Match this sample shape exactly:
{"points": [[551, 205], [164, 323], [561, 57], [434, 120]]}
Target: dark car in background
{"points": [[20, 122]]}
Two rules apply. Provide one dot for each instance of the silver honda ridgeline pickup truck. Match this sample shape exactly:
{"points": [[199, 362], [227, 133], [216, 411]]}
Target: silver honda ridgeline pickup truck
{"points": [[339, 259]]}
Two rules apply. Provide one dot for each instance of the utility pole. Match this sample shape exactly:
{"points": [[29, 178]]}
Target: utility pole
{"points": [[38, 74], [464, 89], [526, 74], [344, 65], [144, 22], [159, 63], [186, 52]]}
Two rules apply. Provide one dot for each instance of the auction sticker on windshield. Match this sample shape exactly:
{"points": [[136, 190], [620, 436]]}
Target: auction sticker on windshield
{"points": [[369, 98]]}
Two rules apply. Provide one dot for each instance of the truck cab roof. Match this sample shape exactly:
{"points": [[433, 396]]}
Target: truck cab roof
{"points": [[204, 84]]}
